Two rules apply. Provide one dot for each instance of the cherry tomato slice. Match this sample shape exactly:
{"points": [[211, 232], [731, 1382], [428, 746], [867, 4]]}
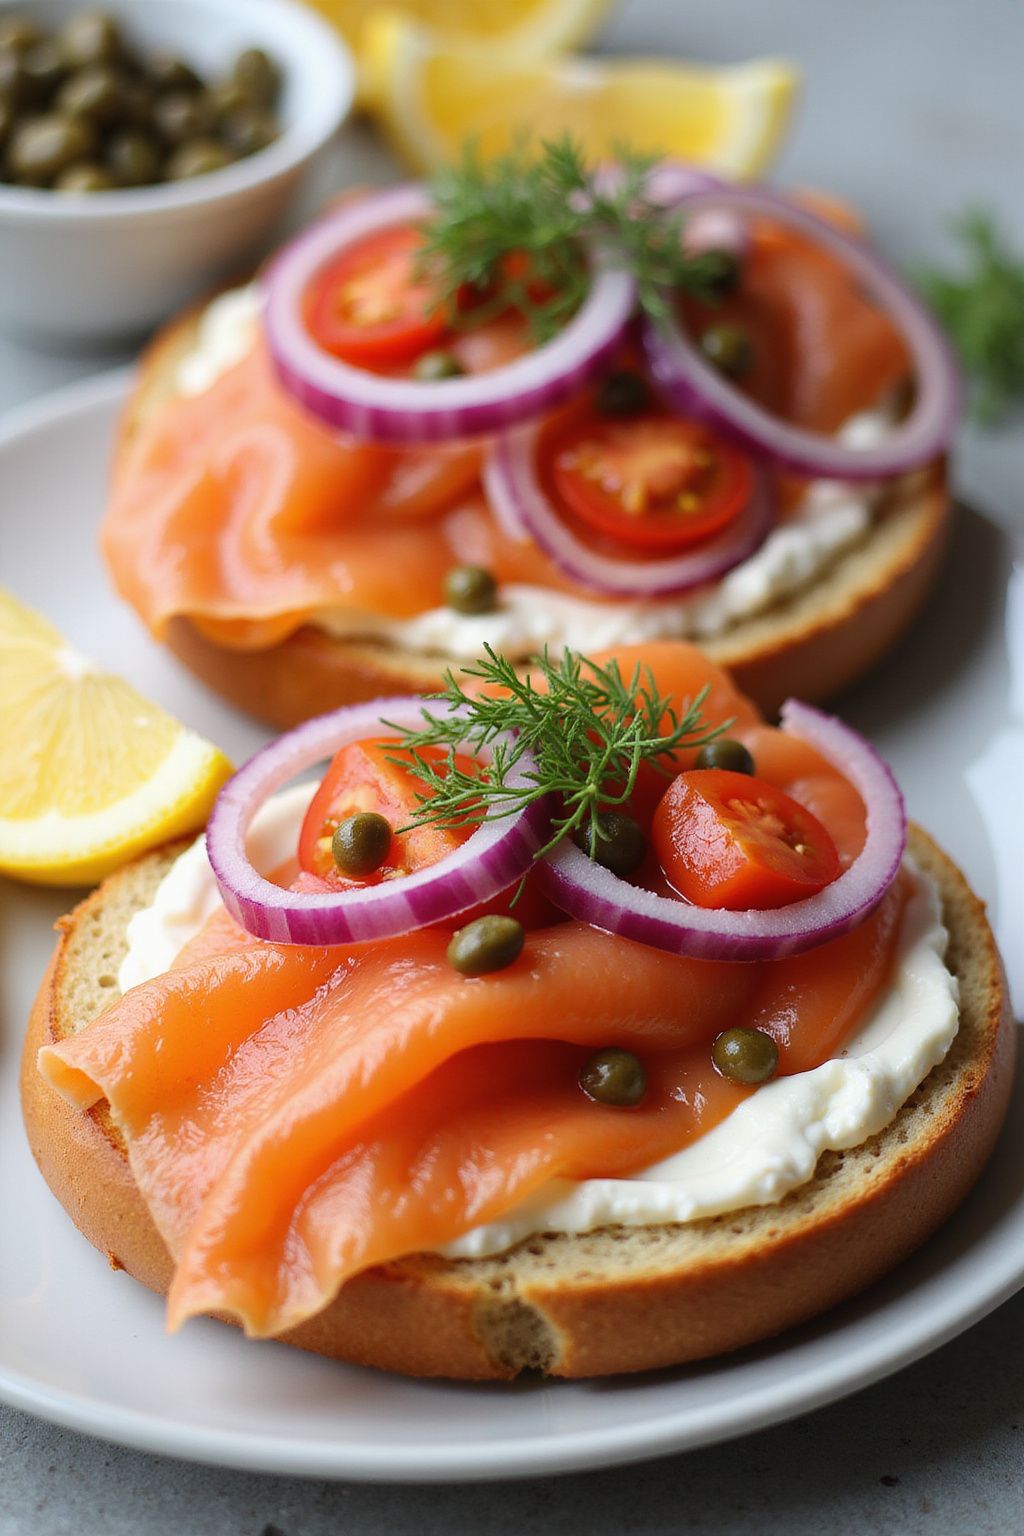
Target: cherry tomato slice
{"points": [[360, 778], [371, 307], [653, 481], [732, 841]]}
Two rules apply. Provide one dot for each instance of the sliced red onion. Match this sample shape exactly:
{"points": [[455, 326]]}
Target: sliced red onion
{"points": [[497, 854], [405, 410], [593, 894], [522, 508], [694, 388]]}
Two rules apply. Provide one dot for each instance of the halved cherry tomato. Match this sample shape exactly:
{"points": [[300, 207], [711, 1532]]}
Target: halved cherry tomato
{"points": [[370, 306], [732, 841], [361, 778], [653, 481]]}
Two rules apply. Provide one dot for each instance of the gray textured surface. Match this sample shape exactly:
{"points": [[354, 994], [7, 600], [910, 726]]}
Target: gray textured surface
{"points": [[913, 108]]}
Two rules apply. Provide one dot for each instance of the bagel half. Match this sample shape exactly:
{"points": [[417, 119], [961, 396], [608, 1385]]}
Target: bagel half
{"points": [[616, 1300], [809, 646]]}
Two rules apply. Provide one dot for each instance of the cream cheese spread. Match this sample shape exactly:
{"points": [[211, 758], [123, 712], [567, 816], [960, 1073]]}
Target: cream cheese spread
{"points": [[767, 1147], [829, 520]]}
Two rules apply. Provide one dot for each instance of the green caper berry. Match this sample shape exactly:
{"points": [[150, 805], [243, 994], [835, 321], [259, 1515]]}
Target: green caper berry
{"points": [[470, 589], [169, 73], [614, 1077], [18, 34], [361, 842], [95, 93], [86, 176], [44, 67], [91, 38], [622, 847], [249, 131], [728, 348], [14, 85], [43, 146], [623, 393], [179, 117], [432, 367], [746, 1056], [133, 159], [258, 76], [226, 98], [726, 752], [197, 158], [720, 270], [488, 944]]}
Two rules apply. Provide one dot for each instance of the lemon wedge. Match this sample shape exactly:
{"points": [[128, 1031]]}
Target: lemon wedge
{"points": [[432, 93], [91, 773], [528, 28]]}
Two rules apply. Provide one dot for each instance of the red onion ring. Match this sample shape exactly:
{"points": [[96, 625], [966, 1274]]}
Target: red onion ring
{"points": [[593, 894], [694, 388], [498, 853], [405, 410], [522, 508]]}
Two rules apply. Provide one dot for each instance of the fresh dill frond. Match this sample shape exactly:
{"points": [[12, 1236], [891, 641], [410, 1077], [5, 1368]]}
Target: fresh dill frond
{"points": [[983, 312], [588, 730], [523, 231]]}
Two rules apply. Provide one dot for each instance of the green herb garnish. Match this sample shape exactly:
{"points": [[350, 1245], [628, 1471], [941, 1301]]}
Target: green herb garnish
{"points": [[589, 732], [983, 311], [547, 212]]}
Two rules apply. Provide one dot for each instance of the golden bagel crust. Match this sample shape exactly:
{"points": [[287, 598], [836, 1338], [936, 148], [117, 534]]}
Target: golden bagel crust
{"points": [[617, 1300], [810, 646]]}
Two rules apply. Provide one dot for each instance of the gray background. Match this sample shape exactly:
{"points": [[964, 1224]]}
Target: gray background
{"points": [[913, 109]]}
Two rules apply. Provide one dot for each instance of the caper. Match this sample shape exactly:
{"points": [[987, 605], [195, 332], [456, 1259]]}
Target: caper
{"points": [[85, 176], [44, 67], [470, 589], [621, 845], [96, 93], [249, 131], [726, 752], [133, 158], [720, 271], [361, 842], [91, 38], [14, 84], [18, 34], [43, 146], [745, 1055], [432, 367], [623, 393], [8, 118], [197, 158], [180, 117], [258, 76], [169, 73], [615, 1077], [226, 98], [728, 348], [487, 944]]}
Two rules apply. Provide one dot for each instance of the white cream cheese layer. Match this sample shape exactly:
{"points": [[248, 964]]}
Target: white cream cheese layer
{"points": [[765, 1148], [830, 520]]}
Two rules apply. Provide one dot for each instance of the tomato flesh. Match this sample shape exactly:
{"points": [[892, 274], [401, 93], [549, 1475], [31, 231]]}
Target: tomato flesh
{"points": [[732, 841], [653, 481], [371, 306]]}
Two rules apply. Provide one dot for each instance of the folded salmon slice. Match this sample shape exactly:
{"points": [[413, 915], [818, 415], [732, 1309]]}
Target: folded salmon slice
{"points": [[240, 511]]}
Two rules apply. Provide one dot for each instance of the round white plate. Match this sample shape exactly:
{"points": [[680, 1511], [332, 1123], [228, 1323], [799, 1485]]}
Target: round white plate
{"points": [[86, 1347]]}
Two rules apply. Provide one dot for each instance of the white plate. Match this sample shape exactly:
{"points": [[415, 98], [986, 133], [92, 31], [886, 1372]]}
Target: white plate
{"points": [[86, 1347]]}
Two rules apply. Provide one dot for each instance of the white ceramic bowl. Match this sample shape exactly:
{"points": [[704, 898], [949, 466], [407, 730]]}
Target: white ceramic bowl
{"points": [[100, 267]]}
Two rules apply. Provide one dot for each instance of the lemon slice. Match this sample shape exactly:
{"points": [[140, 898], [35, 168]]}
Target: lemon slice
{"points": [[431, 94], [91, 773], [527, 27]]}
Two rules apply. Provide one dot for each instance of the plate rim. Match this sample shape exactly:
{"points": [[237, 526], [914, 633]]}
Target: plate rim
{"points": [[988, 1285]]}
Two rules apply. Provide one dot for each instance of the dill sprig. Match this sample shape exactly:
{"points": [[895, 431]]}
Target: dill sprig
{"points": [[588, 730], [983, 312], [557, 215]]}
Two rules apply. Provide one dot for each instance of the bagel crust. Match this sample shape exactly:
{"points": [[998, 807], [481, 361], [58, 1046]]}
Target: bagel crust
{"points": [[601, 1303], [809, 646]]}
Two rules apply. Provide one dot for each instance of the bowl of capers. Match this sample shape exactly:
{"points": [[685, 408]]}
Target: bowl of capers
{"points": [[149, 150]]}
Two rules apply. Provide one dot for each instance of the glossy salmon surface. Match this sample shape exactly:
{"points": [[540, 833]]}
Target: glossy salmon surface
{"points": [[294, 1115]]}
